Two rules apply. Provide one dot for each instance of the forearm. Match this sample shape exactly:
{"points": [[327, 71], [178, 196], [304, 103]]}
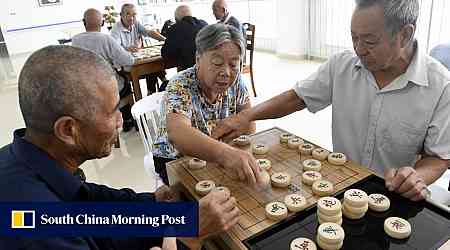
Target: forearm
{"points": [[190, 141], [431, 168], [281, 105], [156, 35]]}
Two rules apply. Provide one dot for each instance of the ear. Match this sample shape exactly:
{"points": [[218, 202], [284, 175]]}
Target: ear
{"points": [[407, 35], [67, 130]]}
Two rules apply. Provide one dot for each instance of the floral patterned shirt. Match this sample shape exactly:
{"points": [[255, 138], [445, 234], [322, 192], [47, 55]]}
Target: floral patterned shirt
{"points": [[184, 97]]}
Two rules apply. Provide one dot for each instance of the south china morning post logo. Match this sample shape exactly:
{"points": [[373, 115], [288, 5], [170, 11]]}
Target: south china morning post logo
{"points": [[103, 219], [21, 219]]}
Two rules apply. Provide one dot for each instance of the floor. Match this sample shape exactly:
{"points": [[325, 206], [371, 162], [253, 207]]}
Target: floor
{"points": [[124, 167]]}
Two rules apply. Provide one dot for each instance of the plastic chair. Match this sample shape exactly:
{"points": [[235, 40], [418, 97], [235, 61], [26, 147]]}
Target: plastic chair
{"points": [[146, 114]]}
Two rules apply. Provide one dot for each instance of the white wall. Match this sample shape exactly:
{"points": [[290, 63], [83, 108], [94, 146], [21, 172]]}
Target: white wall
{"points": [[292, 28], [27, 15]]}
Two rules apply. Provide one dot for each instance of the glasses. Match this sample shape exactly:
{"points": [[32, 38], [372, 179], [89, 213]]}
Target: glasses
{"points": [[365, 44]]}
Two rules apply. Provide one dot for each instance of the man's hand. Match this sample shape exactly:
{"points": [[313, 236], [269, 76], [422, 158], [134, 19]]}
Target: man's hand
{"points": [[217, 213], [242, 163], [231, 127], [166, 194], [406, 182], [132, 49]]}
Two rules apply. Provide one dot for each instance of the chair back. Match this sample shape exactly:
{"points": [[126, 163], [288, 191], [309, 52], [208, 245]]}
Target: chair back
{"points": [[250, 40], [146, 113]]}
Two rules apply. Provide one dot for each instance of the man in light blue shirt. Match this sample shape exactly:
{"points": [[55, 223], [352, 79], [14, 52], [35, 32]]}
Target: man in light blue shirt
{"points": [[442, 54], [128, 32], [390, 100]]}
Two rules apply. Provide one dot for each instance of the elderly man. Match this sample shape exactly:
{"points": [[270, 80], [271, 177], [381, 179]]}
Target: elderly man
{"points": [[222, 14], [180, 42], [105, 46], [129, 33], [390, 100], [69, 101]]}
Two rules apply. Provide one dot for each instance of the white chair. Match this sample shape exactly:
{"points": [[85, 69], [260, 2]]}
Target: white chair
{"points": [[146, 113]]}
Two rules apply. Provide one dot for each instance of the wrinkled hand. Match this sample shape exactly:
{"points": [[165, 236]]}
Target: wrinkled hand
{"points": [[166, 194], [406, 182], [242, 164], [231, 127], [132, 49], [217, 213]]}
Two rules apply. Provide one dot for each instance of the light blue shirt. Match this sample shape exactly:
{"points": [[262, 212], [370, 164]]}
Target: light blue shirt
{"points": [[442, 54], [127, 38], [383, 128]]}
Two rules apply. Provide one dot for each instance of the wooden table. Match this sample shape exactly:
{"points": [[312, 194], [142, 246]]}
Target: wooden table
{"points": [[143, 66], [252, 202]]}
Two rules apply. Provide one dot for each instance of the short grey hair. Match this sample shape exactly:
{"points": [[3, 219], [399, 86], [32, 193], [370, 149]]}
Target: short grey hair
{"points": [[213, 35], [182, 11], [60, 81], [397, 13], [126, 6]]}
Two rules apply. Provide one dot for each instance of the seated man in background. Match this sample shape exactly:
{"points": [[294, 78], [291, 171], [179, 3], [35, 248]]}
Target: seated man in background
{"points": [[198, 97], [129, 33], [180, 40], [391, 101], [105, 46], [69, 100], [222, 14], [442, 53]]}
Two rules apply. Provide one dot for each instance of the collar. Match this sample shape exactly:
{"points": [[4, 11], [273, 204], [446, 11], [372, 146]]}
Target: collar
{"points": [[60, 181], [416, 72], [123, 28]]}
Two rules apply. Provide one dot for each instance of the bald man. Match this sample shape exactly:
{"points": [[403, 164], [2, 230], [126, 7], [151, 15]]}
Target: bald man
{"points": [[105, 46], [222, 14], [180, 41]]}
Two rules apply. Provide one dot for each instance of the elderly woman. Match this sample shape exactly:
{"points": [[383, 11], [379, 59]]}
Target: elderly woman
{"points": [[199, 97]]}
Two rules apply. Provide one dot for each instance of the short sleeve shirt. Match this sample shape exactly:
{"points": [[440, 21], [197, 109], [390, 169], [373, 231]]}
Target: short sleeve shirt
{"points": [[383, 128], [184, 97], [127, 38]]}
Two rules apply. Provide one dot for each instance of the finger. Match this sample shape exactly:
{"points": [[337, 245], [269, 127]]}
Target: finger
{"points": [[220, 130], [219, 197], [421, 196], [249, 176], [240, 172], [389, 174], [256, 170], [409, 183], [230, 136], [235, 219], [401, 175], [229, 205], [234, 213], [414, 191]]}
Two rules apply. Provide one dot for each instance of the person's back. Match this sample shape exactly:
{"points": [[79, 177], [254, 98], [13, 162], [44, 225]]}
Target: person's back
{"points": [[442, 54], [180, 42], [105, 46]]}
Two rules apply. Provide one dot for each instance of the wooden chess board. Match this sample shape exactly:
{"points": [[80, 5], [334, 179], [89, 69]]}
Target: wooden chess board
{"points": [[252, 201]]}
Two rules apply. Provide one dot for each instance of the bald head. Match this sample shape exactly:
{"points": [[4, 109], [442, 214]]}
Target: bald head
{"points": [[61, 81], [93, 20], [182, 11], [220, 9]]}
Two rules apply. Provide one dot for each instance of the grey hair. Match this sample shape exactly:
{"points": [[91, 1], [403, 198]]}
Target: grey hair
{"points": [[127, 5], [397, 13], [213, 35], [60, 81], [182, 11]]}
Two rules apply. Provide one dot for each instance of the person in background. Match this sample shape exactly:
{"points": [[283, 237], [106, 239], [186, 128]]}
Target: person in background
{"points": [[223, 15], [69, 100], [180, 40], [105, 46], [129, 33], [391, 101]]}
